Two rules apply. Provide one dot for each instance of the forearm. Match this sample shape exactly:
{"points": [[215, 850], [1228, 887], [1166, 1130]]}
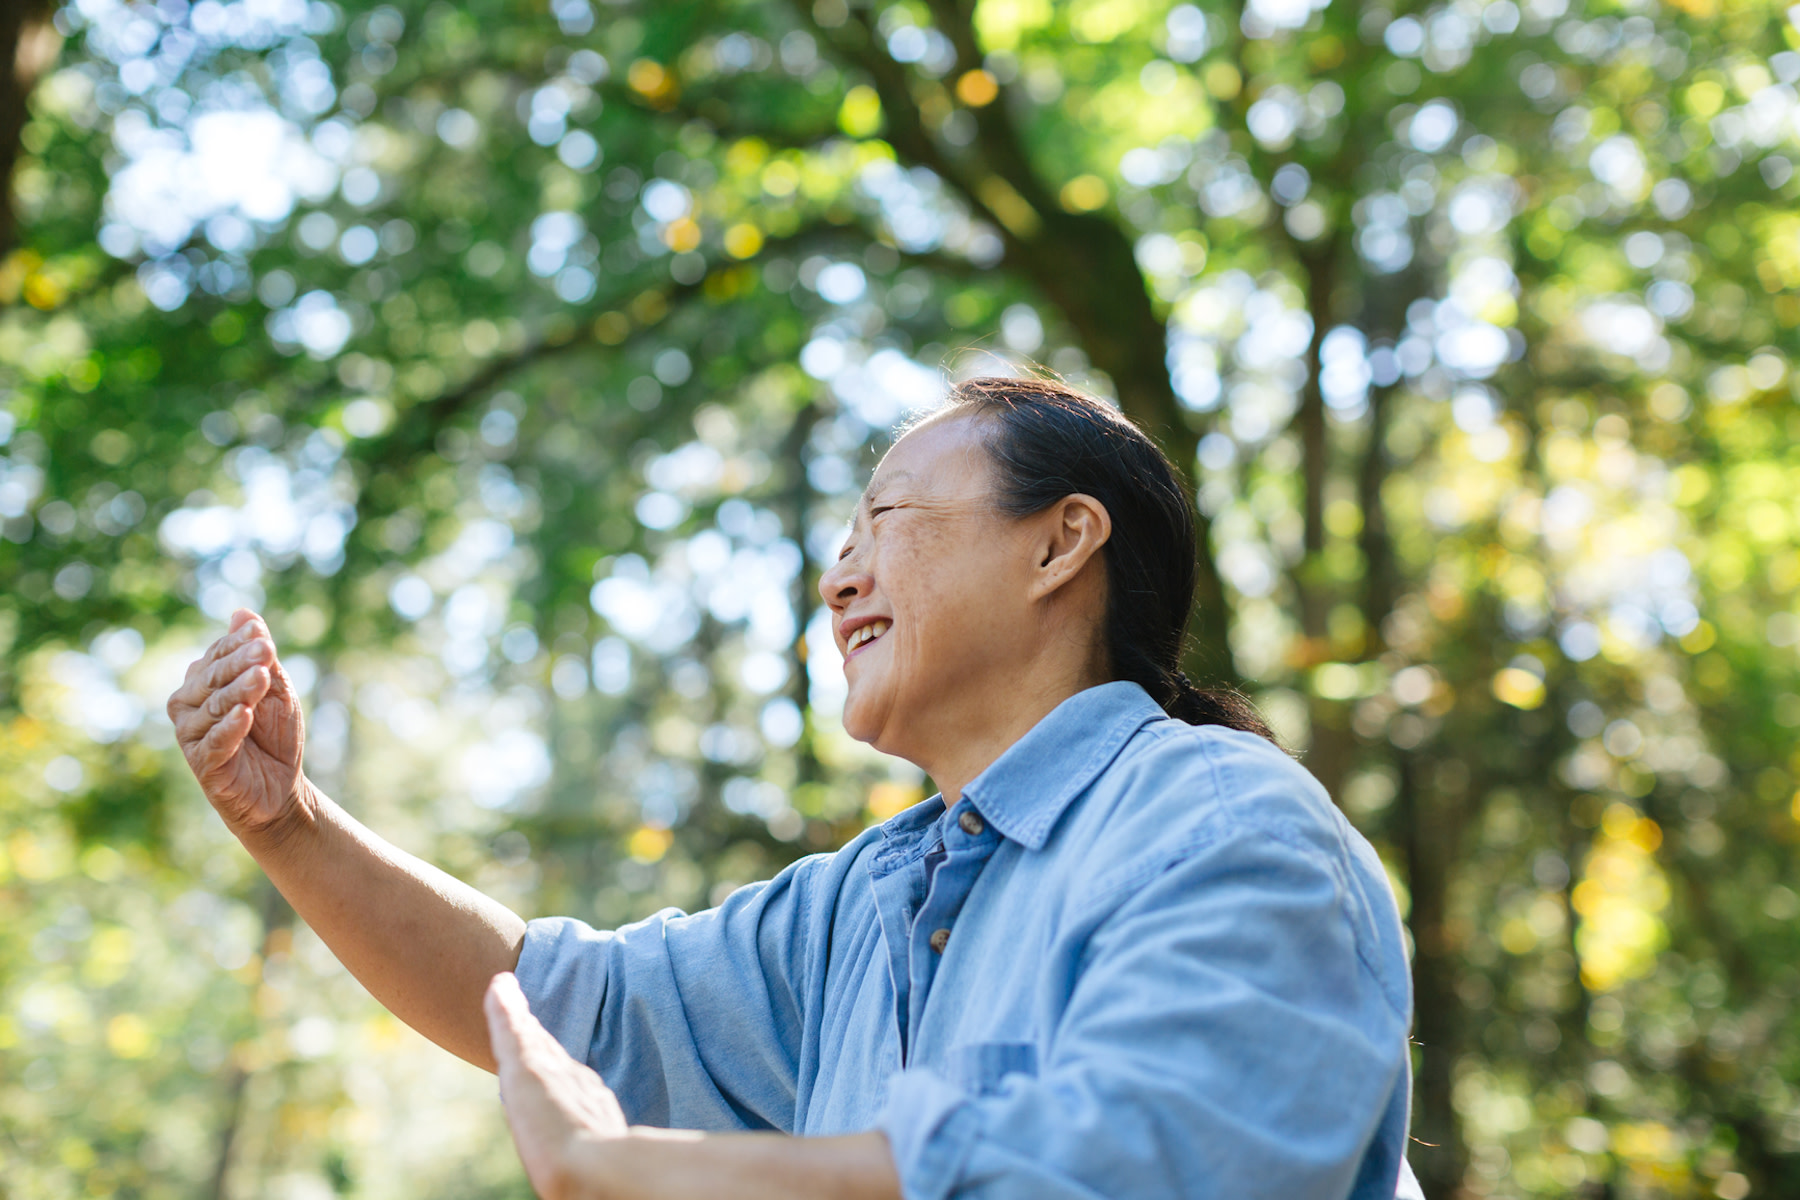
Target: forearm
{"points": [[423, 943], [663, 1165]]}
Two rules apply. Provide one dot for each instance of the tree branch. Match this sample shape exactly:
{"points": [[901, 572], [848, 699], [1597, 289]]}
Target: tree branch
{"points": [[647, 307], [1082, 263]]}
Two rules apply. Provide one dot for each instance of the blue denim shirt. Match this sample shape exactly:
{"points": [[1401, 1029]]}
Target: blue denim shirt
{"points": [[1137, 959]]}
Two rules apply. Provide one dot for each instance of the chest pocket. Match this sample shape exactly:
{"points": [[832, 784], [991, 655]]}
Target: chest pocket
{"points": [[979, 1067]]}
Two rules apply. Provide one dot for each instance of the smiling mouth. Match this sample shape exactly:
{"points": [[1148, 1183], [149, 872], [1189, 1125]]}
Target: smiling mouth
{"points": [[864, 635]]}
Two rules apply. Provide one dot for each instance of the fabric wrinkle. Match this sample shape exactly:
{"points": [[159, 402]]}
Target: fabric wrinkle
{"points": [[1135, 920]]}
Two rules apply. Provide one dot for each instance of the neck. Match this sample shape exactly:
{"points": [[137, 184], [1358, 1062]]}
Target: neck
{"points": [[964, 739]]}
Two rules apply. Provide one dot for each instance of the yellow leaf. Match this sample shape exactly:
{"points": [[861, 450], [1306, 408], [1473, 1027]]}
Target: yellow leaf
{"points": [[743, 240], [1084, 193], [746, 154], [1001, 23], [859, 116], [1101, 21], [129, 1037], [648, 844], [682, 235], [1518, 687], [1223, 81], [651, 80], [1700, 638], [44, 291], [1705, 98], [977, 88]]}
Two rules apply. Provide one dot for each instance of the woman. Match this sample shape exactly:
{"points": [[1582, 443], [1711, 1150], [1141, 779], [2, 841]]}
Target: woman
{"points": [[1131, 950]]}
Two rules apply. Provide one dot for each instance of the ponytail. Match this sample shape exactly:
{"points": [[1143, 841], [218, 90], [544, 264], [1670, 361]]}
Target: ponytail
{"points": [[1215, 706]]}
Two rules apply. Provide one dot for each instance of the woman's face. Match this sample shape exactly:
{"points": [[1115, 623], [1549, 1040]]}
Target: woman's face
{"points": [[931, 598]]}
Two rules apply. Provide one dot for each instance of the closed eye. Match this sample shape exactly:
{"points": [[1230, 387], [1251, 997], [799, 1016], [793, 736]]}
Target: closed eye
{"points": [[873, 513]]}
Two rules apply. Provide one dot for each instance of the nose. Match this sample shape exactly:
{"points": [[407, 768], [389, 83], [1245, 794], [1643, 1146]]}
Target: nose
{"points": [[843, 582]]}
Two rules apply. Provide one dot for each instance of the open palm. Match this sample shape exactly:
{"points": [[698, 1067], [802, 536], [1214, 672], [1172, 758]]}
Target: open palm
{"points": [[237, 718]]}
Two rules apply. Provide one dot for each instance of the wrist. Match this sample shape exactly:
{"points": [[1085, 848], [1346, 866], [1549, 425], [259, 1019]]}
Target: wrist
{"points": [[603, 1168], [643, 1164], [286, 836]]}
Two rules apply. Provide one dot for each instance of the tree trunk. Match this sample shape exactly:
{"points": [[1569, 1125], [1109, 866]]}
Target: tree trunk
{"points": [[277, 920], [1378, 560], [796, 501], [1333, 745], [1429, 830], [28, 45], [1086, 267], [1083, 263], [1321, 278]]}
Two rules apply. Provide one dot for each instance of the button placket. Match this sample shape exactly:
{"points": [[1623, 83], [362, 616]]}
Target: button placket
{"points": [[968, 848]]}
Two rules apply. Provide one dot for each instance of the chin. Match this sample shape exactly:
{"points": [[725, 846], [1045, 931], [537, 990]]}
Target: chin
{"points": [[863, 714], [857, 726]]}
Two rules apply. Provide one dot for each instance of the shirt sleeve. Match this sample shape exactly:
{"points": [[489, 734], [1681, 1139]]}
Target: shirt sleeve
{"points": [[1223, 1038], [695, 1022]]}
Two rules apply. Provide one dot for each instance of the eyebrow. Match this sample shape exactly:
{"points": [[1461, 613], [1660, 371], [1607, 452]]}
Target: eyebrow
{"points": [[877, 487]]}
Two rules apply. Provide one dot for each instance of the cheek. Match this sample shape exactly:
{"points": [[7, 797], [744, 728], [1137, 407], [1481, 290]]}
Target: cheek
{"points": [[946, 599]]}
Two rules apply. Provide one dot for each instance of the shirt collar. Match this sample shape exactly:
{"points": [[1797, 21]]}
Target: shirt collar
{"points": [[1024, 791]]}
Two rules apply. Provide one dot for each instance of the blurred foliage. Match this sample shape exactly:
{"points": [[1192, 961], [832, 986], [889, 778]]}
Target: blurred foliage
{"points": [[522, 361]]}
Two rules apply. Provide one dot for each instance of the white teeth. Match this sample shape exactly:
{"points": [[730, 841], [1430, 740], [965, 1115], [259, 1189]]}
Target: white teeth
{"points": [[865, 634]]}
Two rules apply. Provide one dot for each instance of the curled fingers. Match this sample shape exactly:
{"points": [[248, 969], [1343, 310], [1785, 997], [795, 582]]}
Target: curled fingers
{"points": [[197, 722], [193, 682], [213, 669], [221, 741], [247, 689], [241, 654]]}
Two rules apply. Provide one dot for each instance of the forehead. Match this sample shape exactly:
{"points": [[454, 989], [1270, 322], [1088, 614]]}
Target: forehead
{"points": [[943, 456]]}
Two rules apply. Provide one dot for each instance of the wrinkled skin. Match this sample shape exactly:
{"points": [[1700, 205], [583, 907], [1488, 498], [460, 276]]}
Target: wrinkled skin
{"points": [[991, 615], [237, 719]]}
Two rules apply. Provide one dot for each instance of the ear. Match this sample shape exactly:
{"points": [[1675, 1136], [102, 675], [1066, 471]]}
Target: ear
{"points": [[1070, 536]]}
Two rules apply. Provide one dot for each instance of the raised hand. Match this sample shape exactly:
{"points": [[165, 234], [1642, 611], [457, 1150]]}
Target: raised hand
{"points": [[237, 719]]}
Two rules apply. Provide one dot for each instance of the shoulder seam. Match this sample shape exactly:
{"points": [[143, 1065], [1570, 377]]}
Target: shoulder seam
{"points": [[1217, 824]]}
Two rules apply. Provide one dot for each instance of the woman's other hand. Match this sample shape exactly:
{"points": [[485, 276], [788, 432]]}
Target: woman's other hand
{"points": [[559, 1110], [237, 718], [576, 1145]]}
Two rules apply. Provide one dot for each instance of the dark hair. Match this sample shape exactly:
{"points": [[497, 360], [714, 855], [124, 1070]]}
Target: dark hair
{"points": [[1049, 441]]}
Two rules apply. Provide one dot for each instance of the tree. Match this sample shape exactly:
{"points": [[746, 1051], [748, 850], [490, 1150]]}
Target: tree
{"points": [[1471, 324]]}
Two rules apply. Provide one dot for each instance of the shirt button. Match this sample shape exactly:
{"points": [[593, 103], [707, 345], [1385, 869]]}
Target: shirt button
{"points": [[971, 823], [940, 939]]}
